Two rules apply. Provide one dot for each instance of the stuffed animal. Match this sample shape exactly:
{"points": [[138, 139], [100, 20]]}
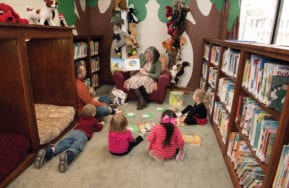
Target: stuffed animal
{"points": [[120, 37], [120, 5], [131, 17], [133, 34], [44, 14], [8, 15], [177, 71], [62, 20]]}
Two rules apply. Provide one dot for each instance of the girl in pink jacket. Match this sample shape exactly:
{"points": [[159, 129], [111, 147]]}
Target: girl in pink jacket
{"points": [[120, 139], [165, 139]]}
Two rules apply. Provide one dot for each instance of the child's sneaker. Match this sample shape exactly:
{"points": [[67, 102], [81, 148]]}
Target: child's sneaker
{"points": [[39, 160], [154, 155], [181, 154], [62, 166]]}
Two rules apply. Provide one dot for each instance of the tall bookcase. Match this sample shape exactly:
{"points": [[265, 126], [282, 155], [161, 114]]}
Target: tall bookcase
{"points": [[87, 50], [37, 67], [226, 72]]}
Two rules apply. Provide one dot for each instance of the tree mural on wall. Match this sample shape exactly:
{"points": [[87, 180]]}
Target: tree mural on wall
{"points": [[67, 8]]}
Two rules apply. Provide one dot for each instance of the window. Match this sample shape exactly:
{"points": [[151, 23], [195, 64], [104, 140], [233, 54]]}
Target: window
{"points": [[265, 21]]}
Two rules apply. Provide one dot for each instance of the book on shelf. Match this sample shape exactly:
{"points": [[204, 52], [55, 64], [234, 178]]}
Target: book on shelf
{"points": [[271, 140], [176, 98], [267, 123], [278, 87], [281, 177], [192, 139], [128, 64]]}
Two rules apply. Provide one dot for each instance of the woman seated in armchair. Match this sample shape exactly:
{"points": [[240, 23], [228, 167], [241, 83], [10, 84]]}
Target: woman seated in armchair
{"points": [[142, 81]]}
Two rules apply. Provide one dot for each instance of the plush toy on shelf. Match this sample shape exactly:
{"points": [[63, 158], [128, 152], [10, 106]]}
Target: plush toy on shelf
{"points": [[44, 15], [8, 15]]}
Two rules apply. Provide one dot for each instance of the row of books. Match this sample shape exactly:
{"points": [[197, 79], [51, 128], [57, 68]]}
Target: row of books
{"points": [[213, 73], [93, 47], [267, 80], [80, 50], [259, 126], [226, 89], [249, 173], [94, 64], [215, 55], [94, 80], [230, 62], [202, 83], [221, 119], [206, 51], [204, 69], [282, 176]]}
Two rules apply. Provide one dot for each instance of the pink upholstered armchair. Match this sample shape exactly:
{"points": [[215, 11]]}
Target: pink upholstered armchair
{"points": [[160, 87]]}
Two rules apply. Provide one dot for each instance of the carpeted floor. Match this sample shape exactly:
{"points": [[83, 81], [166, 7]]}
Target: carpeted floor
{"points": [[203, 166]]}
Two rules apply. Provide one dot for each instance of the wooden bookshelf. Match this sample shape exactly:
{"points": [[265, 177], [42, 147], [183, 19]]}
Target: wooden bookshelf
{"points": [[246, 50], [87, 50], [37, 67]]}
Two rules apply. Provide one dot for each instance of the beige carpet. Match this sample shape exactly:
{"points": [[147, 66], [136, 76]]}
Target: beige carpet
{"points": [[203, 166]]}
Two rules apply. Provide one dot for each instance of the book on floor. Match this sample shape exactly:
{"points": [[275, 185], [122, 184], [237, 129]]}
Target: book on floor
{"points": [[145, 126], [192, 139], [176, 98]]}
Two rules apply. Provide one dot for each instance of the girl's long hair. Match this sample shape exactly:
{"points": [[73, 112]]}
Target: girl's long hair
{"points": [[168, 126], [118, 123]]}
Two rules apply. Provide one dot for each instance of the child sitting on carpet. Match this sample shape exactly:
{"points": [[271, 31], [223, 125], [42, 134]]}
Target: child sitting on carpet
{"points": [[74, 143], [120, 139], [165, 139], [196, 114]]}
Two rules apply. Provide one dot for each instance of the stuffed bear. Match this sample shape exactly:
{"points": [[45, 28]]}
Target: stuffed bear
{"points": [[8, 15]]}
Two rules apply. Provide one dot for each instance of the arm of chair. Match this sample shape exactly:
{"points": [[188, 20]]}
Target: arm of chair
{"points": [[119, 78], [163, 82]]}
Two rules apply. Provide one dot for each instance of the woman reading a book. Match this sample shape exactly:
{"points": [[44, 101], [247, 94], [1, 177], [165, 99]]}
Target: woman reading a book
{"points": [[142, 80]]}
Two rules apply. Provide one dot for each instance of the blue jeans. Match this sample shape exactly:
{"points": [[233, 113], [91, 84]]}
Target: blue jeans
{"points": [[75, 142], [102, 111]]}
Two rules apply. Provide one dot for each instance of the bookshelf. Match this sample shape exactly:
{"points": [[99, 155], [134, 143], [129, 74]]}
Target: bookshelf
{"points": [[87, 50], [249, 119], [37, 67]]}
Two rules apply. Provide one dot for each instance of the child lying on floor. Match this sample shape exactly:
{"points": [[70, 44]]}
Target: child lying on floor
{"points": [[74, 143]]}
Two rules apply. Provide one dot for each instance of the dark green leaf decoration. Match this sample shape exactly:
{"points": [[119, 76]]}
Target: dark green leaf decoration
{"points": [[219, 4], [66, 7], [140, 8], [234, 11], [92, 3], [162, 9]]}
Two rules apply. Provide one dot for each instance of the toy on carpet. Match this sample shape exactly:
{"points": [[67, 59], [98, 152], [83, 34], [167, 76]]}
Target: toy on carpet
{"points": [[177, 71], [44, 15], [8, 15]]}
